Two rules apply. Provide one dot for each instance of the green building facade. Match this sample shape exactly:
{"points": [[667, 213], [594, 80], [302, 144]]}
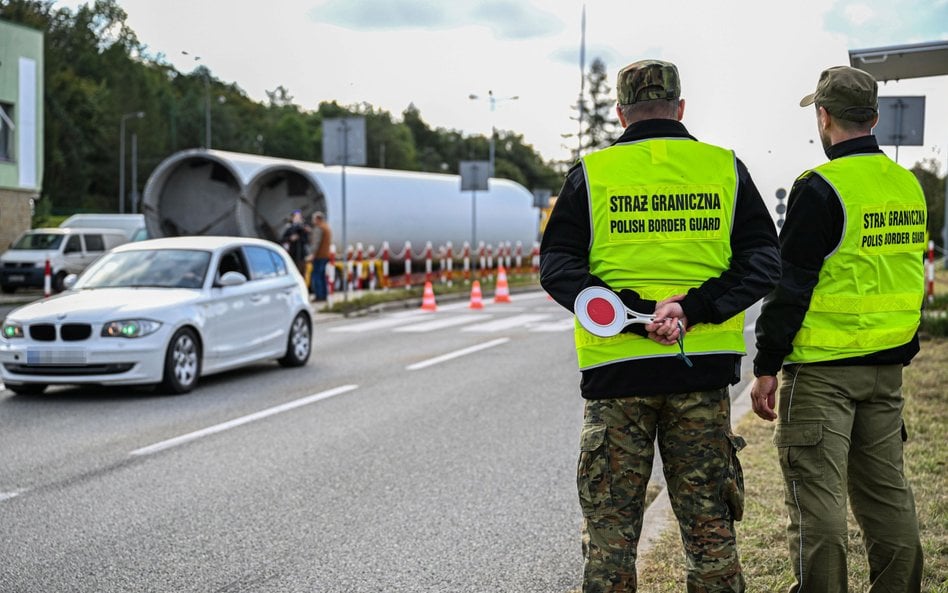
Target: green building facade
{"points": [[21, 127]]}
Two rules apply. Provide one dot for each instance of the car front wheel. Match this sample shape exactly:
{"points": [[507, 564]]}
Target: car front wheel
{"points": [[182, 362], [299, 342], [59, 281]]}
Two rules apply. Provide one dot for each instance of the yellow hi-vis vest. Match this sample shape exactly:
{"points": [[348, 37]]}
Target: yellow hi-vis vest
{"points": [[661, 212], [869, 294]]}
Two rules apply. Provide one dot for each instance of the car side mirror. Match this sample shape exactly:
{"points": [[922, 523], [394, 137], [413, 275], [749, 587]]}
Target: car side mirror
{"points": [[232, 279], [70, 281]]}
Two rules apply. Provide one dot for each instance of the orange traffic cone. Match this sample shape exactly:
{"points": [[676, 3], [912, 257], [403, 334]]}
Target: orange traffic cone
{"points": [[477, 299], [428, 299], [502, 292]]}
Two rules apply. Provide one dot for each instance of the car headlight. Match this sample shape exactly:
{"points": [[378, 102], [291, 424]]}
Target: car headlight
{"points": [[12, 329], [129, 328]]}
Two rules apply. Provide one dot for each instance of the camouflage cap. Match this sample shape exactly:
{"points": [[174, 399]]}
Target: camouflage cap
{"points": [[847, 93], [647, 80]]}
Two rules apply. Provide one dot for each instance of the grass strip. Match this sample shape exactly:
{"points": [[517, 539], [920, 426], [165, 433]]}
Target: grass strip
{"points": [[761, 535]]}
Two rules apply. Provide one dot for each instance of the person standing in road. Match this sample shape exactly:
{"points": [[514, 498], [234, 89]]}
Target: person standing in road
{"points": [[321, 239], [842, 323], [295, 240], [677, 228]]}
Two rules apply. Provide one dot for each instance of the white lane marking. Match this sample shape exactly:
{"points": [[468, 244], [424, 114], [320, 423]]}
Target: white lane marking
{"points": [[454, 306], [519, 296], [185, 438], [442, 323], [376, 324], [503, 307], [505, 323], [555, 326], [456, 354], [9, 495]]}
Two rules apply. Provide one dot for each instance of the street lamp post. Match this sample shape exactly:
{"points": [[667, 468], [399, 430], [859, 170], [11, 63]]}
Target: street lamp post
{"points": [[492, 101], [125, 117], [207, 100]]}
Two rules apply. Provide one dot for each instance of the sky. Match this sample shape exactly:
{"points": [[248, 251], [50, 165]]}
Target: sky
{"points": [[744, 64]]}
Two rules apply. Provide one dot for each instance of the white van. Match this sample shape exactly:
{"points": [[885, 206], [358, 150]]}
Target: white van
{"points": [[133, 225], [69, 251]]}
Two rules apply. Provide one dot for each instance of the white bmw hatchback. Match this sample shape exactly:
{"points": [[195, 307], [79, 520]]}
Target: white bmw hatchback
{"points": [[163, 312]]}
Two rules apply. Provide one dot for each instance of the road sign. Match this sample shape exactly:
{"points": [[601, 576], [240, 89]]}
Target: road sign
{"points": [[344, 141], [344, 144], [541, 198], [901, 121], [474, 175]]}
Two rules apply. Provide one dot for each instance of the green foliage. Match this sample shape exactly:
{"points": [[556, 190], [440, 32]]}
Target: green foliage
{"points": [[934, 324], [934, 188], [97, 71], [599, 121], [935, 316]]}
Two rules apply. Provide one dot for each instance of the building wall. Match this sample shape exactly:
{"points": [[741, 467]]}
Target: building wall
{"points": [[21, 92], [15, 214]]}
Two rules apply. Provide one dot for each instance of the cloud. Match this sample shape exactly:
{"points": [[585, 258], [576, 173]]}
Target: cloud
{"points": [[506, 19], [874, 23], [514, 20], [381, 14], [858, 14], [570, 55]]}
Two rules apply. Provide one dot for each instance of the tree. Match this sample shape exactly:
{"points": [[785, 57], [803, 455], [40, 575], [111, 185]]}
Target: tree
{"points": [[596, 107], [933, 187], [97, 71], [600, 117]]}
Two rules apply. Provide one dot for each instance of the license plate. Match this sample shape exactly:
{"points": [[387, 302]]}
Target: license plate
{"points": [[66, 357], [16, 278]]}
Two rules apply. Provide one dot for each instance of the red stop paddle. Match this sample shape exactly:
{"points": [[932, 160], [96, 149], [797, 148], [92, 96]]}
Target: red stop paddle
{"points": [[602, 313]]}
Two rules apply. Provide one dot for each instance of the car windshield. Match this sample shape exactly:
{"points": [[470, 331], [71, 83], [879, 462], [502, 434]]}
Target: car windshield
{"points": [[162, 268], [38, 241]]}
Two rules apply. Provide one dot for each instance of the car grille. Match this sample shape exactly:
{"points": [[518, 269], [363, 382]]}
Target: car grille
{"points": [[68, 332], [17, 265], [53, 370], [43, 332], [73, 332]]}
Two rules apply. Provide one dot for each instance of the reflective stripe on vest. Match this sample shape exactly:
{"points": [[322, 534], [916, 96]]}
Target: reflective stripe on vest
{"points": [[869, 293], [661, 212]]}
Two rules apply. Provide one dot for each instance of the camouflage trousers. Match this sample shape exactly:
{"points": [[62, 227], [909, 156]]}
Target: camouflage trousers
{"points": [[703, 474]]}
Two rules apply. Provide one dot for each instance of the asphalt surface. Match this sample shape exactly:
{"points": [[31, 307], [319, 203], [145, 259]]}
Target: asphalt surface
{"points": [[416, 452], [456, 476]]}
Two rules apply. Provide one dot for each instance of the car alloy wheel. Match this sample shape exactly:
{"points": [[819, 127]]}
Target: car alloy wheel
{"points": [[298, 343], [182, 362]]}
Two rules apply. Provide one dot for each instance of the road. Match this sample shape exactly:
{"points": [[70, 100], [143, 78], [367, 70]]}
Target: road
{"points": [[417, 451]]}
